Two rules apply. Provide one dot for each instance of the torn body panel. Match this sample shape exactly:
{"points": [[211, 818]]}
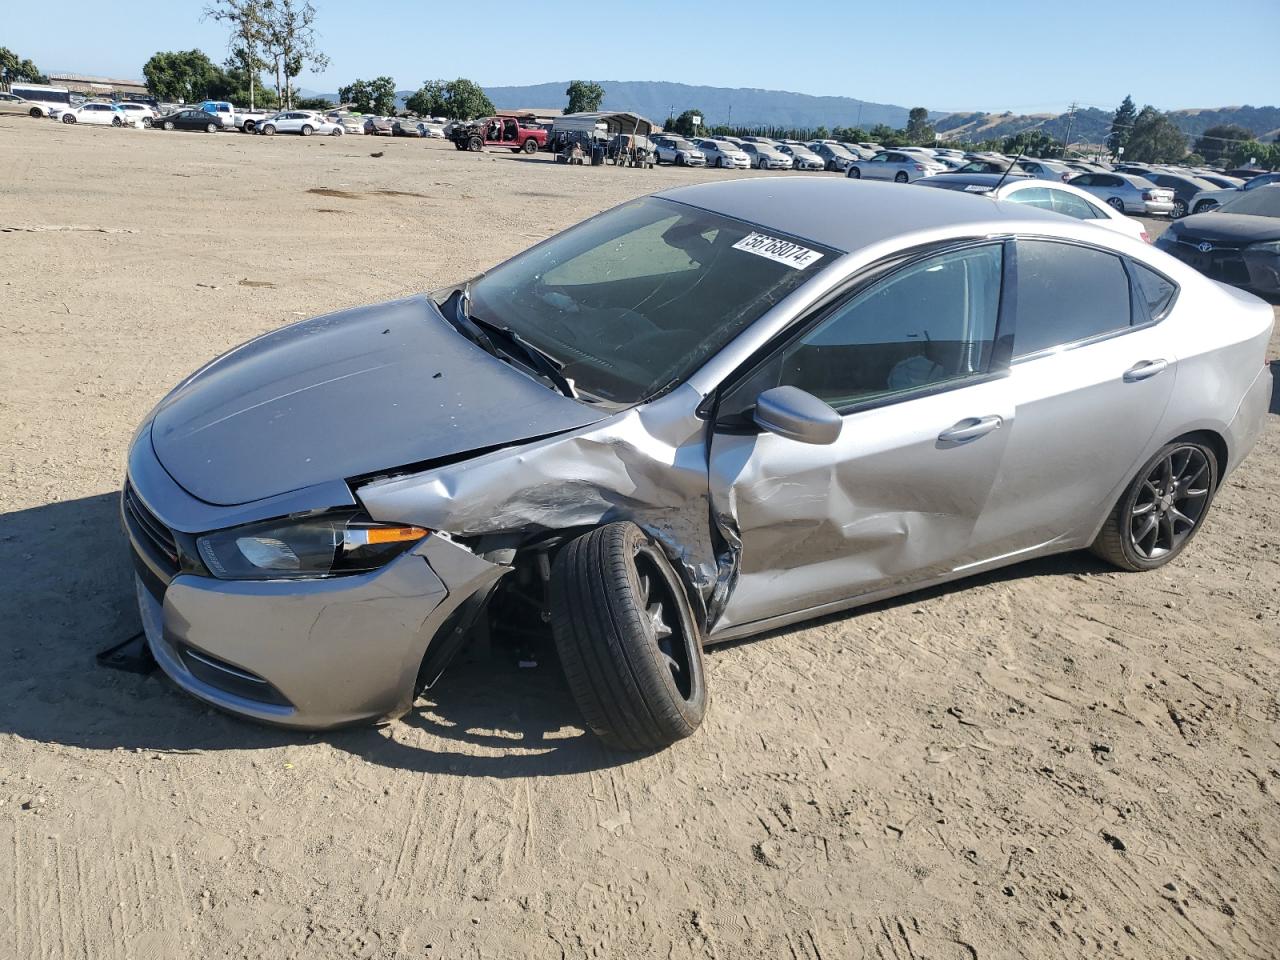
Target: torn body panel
{"points": [[647, 464]]}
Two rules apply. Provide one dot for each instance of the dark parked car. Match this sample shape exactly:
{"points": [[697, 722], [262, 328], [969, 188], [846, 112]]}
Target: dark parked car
{"points": [[188, 120], [1237, 243], [1184, 187], [379, 126]]}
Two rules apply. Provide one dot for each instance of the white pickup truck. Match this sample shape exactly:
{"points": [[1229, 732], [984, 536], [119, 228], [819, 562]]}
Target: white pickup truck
{"points": [[232, 117]]}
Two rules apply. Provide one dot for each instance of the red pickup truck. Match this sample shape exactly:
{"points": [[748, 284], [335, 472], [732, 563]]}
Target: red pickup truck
{"points": [[499, 131]]}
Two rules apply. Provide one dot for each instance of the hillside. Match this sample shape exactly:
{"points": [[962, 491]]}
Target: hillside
{"points": [[740, 106]]}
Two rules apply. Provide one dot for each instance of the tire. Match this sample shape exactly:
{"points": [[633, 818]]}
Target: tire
{"points": [[1204, 206], [1115, 203], [250, 126], [69, 118], [475, 144], [35, 112], [530, 146], [1128, 540], [116, 122], [147, 122], [853, 173], [719, 163], [269, 131], [210, 128], [168, 124], [637, 688], [901, 177], [336, 132], [679, 159], [307, 130], [1179, 209]]}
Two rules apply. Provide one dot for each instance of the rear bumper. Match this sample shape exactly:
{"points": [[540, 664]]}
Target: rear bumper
{"points": [[1156, 208], [1246, 426]]}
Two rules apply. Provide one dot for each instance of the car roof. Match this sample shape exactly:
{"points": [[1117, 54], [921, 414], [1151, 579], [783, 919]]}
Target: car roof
{"points": [[845, 214], [980, 179]]}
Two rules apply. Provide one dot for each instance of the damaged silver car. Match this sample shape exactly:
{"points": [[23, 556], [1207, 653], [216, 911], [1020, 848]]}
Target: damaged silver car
{"points": [[697, 416]]}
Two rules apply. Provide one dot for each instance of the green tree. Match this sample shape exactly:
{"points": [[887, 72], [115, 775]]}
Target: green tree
{"points": [[370, 96], [13, 69], [313, 103], [1264, 155], [1032, 143], [1217, 141], [684, 124], [584, 97], [428, 100], [1122, 126], [465, 100], [185, 76], [290, 40], [919, 131], [1155, 138], [247, 22]]}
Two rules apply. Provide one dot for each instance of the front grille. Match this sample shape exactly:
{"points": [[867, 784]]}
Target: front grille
{"points": [[149, 526], [1224, 262]]}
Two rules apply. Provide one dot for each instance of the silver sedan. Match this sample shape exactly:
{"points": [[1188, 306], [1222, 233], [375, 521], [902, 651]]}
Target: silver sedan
{"points": [[1127, 192], [699, 416], [766, 156], [894, 165]]}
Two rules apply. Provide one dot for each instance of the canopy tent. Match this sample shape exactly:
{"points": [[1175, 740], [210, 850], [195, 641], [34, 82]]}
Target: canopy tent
{"points": [[614, 122]]}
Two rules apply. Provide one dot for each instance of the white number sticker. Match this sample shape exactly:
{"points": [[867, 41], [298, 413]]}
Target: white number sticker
{"points": [[782, 251]]}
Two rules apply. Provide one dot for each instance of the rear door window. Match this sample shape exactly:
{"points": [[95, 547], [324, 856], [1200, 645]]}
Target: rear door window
{"points": [[1067, 293]]}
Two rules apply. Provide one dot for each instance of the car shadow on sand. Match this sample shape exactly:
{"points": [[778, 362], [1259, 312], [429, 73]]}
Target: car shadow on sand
{"points": [[1274, 367]]}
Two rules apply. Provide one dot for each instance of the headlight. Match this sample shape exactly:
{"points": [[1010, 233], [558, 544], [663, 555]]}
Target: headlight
{"points": [[295, 548], [1271, 247]]}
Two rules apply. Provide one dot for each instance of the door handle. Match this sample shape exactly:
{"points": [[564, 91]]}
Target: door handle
{"points": [[970, 429], [1144, 370]]}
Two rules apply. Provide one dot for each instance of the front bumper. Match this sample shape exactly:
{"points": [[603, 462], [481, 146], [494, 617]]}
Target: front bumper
{"points": [[310, 654]]}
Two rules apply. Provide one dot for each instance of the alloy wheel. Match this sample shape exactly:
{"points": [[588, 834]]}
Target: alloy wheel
{"points": [[663, 624], [1169, 503]]}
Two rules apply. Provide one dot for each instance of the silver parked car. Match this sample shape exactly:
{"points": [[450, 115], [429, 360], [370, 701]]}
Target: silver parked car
{"points": [[833, 155], [802, 158], [766, 156], [895, 165], [1127, 192], [722, 153], [698, 416], [677, 150]]}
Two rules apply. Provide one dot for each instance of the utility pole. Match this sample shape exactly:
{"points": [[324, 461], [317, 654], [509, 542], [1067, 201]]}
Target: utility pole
{"points": [[1071, 119]]}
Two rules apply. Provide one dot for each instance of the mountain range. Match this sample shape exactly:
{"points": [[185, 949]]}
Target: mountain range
{"points": [[751, 107]]}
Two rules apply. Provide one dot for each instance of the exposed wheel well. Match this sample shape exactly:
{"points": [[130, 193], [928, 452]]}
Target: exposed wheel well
{"points": [[1214, 442]]}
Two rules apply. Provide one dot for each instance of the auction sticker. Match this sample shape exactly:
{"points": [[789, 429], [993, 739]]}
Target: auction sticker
{"points": [[783, 251]]}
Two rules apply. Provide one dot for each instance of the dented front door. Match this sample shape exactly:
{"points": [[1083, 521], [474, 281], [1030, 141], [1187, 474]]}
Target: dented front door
{"points": [[894, 500]]}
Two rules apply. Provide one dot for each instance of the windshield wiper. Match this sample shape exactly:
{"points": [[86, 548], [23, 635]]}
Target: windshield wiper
{"points": [[457, 310]]}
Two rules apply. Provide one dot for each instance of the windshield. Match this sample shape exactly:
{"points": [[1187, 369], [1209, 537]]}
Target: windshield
{"points": [[641, 296], [1264, 202]]}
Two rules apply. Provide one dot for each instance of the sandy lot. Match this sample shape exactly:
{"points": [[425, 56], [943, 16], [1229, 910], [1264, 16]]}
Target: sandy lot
{"points": [[1055, 761]]}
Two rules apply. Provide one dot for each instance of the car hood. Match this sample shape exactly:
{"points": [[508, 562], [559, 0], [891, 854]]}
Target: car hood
{"points": [[1228, 227], [347, 395]]}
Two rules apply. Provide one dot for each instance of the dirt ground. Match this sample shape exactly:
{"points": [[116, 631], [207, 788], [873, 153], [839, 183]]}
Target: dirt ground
{"points": [[1054, 761]]}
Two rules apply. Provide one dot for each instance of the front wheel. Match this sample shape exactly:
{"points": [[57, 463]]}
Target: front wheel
{"points": [[116, 122], [307, 130], [530, 146], [679, 159], [68, 118], [853, 173], [146, 122], [268, 131], [629, 645], [336, 132], [475, 144], [1204, 206], [900, 177], [1179, 209], [1162, 509], [35, 112], [210, 128], [168, 124]]}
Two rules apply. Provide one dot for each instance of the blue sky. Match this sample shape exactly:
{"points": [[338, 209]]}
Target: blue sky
{"points": [[1028, 56]]}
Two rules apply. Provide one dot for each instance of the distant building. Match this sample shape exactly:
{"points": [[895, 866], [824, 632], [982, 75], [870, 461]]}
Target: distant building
{"points": [[96, 86]]}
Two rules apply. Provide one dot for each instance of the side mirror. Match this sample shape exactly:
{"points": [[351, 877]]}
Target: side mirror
{"points": [[792, 413]]}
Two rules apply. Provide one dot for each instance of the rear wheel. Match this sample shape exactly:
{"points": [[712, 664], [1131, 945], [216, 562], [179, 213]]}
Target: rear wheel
{"points": [[1179, 209], [900, 177], [628, 642], [1115, 203], [249, 126], [1162, 509]]}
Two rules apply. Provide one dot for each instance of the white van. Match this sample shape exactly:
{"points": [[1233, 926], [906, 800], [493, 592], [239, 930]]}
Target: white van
{"points": [[46, 101]]}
